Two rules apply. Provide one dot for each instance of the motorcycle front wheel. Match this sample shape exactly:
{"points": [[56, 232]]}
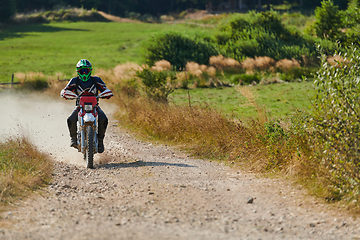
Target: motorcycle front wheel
{"points": [[90, 147]]}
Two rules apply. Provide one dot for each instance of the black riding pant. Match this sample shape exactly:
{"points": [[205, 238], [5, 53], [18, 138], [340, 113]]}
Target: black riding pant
{"points": [[102, 123]]}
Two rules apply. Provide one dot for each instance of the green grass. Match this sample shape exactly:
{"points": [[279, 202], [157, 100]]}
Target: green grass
{"points": [[280, 100], [57, 47]]}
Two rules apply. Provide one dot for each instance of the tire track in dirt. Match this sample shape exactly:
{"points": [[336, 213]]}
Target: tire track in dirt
{"points": [[147, 191]]}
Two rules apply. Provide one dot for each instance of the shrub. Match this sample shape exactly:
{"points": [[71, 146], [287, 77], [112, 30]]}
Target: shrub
{"points": [[129, 87], [33, 81], [74, 14], [36, 84], [245, 78], [298, 74], [286, 64], [178, 49], [328, 22], [335, 125], [162, 65], [156, 84], [263, 34], [258, 63], [222, 63]]}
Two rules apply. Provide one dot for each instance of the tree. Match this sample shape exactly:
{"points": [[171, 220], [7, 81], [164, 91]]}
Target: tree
{"points": [[7, 9], [328, 22], [352, 16]]}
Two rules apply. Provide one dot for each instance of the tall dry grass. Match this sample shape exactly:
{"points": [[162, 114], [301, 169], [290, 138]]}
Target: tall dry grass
{"points": [[206, 75], [119, 73], [258, 144], [23, 169], [258, 63], [222, 63], [162, 65], [206, 132], [286, 64], [337, 60]]}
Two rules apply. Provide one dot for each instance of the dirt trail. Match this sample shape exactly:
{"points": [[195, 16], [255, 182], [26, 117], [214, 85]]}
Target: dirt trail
{"points": [[155, 192]]}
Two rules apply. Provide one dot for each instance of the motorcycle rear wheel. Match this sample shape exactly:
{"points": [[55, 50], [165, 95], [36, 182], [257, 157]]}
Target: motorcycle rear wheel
{"points": [[90, 147]]}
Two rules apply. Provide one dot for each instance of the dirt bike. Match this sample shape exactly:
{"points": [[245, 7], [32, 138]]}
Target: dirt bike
{"points": [[87, 139]]}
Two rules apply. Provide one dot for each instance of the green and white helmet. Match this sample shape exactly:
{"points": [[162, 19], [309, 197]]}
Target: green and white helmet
{"points": [[84, 68]]}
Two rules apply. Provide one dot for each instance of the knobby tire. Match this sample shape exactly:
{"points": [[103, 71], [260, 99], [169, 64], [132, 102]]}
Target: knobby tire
{"points": [[90, 147]]}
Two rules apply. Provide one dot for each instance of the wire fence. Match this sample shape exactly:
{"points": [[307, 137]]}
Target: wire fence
{"points": [[12, 83]]}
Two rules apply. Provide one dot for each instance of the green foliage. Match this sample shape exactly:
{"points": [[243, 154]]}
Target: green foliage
{"points": [[296, 19], [328, 22], [263, 34], [144, 18], [297, 74], [274, 132], [245, 78], [129, 87], [156, 84], [178, 49], [38, 84], [335, 123], [352, 16], [72, 15], [275, 139], [7, 10], [351, 19]]}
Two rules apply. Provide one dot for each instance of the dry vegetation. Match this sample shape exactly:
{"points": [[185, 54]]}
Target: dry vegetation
{"points": [[222, 63], [22, 169], [258, 144], [286, 64]]}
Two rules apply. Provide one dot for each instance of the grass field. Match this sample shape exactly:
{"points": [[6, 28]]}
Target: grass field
{"points": [[279, 100], [56, 47]]}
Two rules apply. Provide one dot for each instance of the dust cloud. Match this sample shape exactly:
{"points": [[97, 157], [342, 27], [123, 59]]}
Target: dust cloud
{"points": [[43, 120]]}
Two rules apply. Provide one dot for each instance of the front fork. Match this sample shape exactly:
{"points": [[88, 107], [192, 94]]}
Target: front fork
{"points": [[82, 143]]}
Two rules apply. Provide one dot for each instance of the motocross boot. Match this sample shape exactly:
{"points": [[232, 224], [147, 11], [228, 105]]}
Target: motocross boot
{"points": [[101, 145], [73, 142]]}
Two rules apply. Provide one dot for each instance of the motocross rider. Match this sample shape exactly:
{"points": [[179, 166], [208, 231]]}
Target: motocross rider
{"points": [[84, 82]]}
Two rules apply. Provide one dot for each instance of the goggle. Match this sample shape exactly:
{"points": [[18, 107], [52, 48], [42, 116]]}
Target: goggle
{"points": [[83, 71]]}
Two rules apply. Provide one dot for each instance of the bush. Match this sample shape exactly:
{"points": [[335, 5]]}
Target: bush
{"points": [[245, 78], [334, 125], [72, 15], [297, 74], [328, 22], [37, 84], [156, 84], [263, 34], [178, 50]]}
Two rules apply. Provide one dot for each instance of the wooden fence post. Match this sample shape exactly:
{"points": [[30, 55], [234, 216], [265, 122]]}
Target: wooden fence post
{"points": [[12, 80]]}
